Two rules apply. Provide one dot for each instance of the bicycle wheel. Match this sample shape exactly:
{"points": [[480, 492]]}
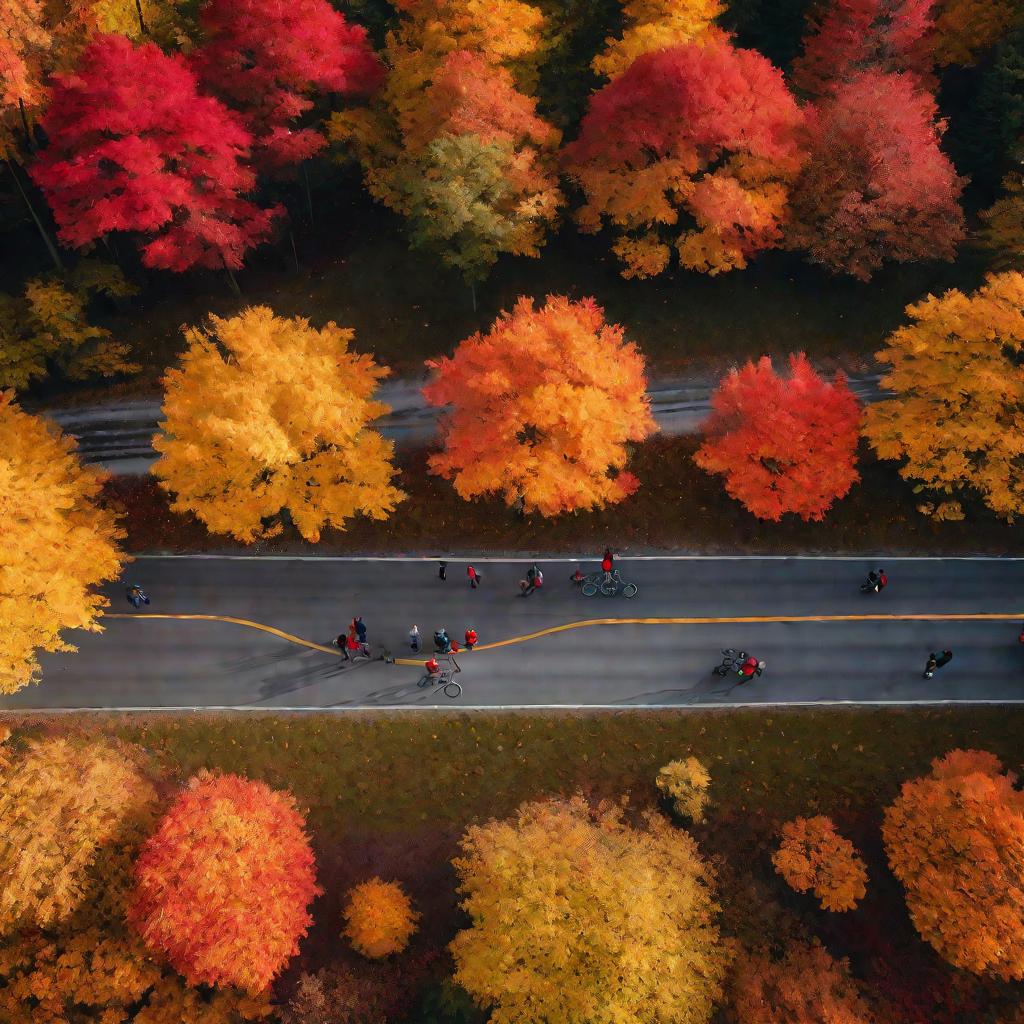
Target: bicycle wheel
{"points": [[452, 689], [630, 590], [609, 588], [588, 589]]}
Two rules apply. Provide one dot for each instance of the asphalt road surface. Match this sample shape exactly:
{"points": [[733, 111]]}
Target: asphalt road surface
{"points": [[118, 435], [142, 663]]}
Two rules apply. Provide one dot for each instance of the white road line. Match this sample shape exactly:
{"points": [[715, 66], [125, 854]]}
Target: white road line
{"points": [[589, 557], [388, 708]]}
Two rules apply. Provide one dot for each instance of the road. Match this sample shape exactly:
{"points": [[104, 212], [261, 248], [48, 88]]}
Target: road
{"points": [[117, 435], [141, 662]]}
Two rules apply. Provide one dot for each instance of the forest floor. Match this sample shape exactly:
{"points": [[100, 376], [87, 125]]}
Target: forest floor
{"points": [[677, 508], [390, 795]]}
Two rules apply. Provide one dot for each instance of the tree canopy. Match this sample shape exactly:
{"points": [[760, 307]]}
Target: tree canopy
{"points": [[814, 856]]}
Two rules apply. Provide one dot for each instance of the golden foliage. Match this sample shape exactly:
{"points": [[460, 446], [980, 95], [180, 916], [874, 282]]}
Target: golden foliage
{"points": [[57, 543], [1003, 233], [543, 406], [269, 414], [806, 987], [955, 839], [579, 917], [957, 418], [61, 803], [686, 784], [656, 25], [814, 856], [966, 28], [379, 919]]}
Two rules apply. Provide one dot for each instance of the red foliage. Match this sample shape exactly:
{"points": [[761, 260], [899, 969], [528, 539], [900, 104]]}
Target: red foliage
{"points": [[223, 885], [850, 36], [134, 147], [877, 186], [783, 445], [710, 130], [264, 57]]}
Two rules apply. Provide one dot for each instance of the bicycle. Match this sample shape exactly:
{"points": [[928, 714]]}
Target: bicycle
{"points": [[615, 586], [445, 679], [731, 661]]}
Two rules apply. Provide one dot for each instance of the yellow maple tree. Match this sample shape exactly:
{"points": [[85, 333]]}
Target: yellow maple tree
{"points": [[955, 840], [542, 408], [807, 986], [379, 919], [814, 856], [268, 414], [58, 543], [655, 25], [578, 916], [966, 28], [53, 832], [1003, 233], [686, 784], [957, 415]]}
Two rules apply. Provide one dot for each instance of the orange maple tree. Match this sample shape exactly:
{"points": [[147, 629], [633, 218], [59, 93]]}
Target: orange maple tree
{"points": [[379, 919], [543, 406], [806, 987], [814, 856], [955, 839], [223, 886], [783, 445]]}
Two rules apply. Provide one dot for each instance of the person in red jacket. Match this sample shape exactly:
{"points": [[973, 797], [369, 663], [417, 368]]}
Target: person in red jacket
{"points": [[433, 667], [474, 577], [470, 638], [607, 564]]}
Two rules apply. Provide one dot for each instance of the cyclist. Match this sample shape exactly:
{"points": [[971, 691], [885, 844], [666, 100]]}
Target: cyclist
{"points": [[442, 642], [432, 667], [137, 596], [749, 668], [607, 564], [577, 577]]}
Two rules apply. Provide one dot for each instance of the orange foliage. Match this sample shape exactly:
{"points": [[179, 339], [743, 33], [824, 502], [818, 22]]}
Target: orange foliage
{"points": [[955, 839], [224, 885], [813, 855], [806, 987], [543, 406], [379, 918], [964, 29]]}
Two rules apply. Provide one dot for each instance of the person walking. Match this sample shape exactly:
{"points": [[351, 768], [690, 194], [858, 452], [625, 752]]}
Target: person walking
{"points": [[607, 564], [577, 577], [534, 579], [360, 629], [474, 577], [414, 638], [442, 571], [935, 662], [137, 596], [470, 638]]}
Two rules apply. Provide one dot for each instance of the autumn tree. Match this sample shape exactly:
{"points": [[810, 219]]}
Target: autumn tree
{"points": [[23, 39], [135, 148], [877, 187], [807, 986], [782, 444], [266, 59], [686, 784], [964, 29], [53, 831], [453, 141], [269, 415], [543, 406], [693, 147], [48, 328], [655, 25], [849, 37], [224, 884], [957, 415], [813, 856], [379, 919], [58, 544], [955, 840], [578, 916]]}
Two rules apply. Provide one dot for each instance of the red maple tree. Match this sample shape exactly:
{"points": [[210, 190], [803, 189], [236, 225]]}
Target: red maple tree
{"points": [[265, 57], [850, 36], [877, 185], [223, 886], [703, 137], [783, 445], [134, 147]]}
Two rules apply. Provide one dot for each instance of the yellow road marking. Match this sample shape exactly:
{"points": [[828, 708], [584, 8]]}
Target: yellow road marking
{"points": [[667, 621]]}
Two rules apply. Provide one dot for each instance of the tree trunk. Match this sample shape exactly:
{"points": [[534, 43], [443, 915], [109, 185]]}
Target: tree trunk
{"points": [[43, 233], [472, 292], [142, 20], [309, 194], [235, 290], [29, 143], [295, 254]]}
